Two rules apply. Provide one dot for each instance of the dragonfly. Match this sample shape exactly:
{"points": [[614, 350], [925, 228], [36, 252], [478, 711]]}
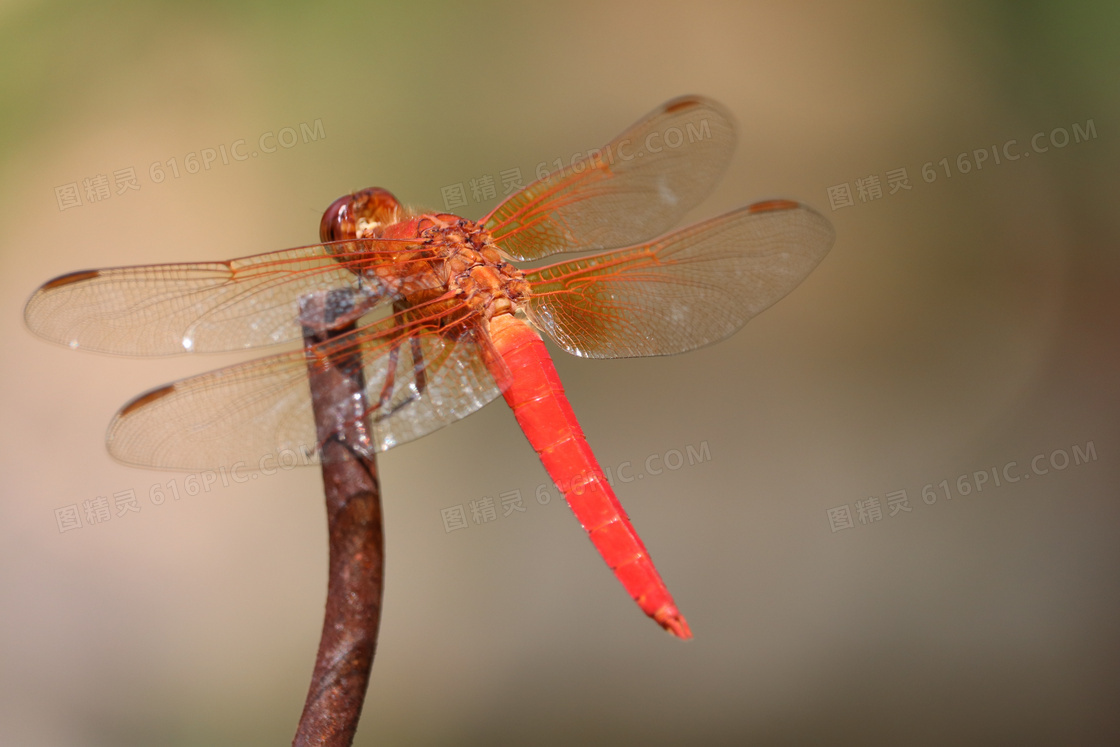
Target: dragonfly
{"points": [[443, 322]]}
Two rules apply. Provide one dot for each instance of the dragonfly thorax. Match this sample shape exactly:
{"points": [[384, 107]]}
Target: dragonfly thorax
{"points": [[445, 255], [474, 269]]}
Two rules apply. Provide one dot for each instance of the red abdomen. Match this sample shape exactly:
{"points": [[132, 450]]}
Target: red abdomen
{"points": [[538, 402]]}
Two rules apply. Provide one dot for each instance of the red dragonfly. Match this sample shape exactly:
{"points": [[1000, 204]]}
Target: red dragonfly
{"points": [[446, 323]]}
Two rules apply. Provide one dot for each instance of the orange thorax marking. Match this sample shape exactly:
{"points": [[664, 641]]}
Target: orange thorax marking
{"points": [[447, 267]]}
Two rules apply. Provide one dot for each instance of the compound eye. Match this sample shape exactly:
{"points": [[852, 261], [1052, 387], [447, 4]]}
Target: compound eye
{"points": [[337, 224], [359, 215], [374, 207]]}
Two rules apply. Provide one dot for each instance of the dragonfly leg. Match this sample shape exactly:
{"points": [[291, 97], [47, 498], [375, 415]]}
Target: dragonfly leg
{"points": [[390, 377], [418, 364], [391, 374]]}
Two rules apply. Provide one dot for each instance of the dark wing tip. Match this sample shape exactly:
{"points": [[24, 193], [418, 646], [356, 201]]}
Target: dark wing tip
{"points": [[683, 102], [781, 205], [40, 322], [146, 398], [767, 206], [70, 278]]}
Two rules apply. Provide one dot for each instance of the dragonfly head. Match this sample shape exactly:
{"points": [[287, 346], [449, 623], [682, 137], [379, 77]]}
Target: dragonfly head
{"points": [[357, 215]]}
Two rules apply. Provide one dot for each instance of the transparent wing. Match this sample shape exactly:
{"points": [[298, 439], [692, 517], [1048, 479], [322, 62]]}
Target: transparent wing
{"points": [[201, 307], [684, 290], [258, 414], [635, 188]]}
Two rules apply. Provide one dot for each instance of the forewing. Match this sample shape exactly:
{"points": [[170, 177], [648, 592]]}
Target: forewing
{"points": [[635, 188], [258, 414], [199, 307], [684, 290]]}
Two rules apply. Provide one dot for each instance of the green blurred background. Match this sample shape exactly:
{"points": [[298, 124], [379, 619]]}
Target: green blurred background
{"points": [[957, 326]]}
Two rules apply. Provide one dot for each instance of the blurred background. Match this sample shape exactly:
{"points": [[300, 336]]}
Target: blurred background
{"points": [[819, 491]]}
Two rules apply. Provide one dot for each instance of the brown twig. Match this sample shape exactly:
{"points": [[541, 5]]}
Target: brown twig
{"points": [[353, 493]]}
